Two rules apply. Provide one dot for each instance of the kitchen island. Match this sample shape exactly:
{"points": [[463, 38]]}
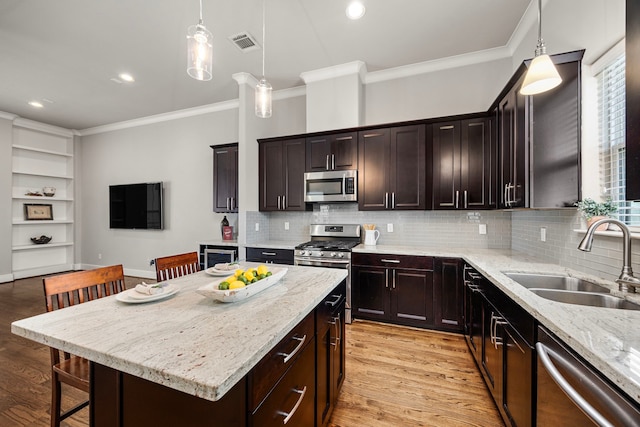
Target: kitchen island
{"points": [[187, 345]]}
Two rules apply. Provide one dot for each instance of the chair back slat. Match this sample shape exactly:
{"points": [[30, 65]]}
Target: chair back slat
{"points": [[171, 267]]}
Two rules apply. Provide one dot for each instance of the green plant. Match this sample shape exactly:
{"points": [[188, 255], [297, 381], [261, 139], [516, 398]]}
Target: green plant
{"points": [[591, 208]]}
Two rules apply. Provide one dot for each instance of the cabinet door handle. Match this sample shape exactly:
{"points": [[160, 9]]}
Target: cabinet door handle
{"points": [[288, 415], [386, 200], [505, 195], [543, 354], [457, 198], [393, 278], [393, 261], [393, 200], [345, 138], [278, 202], [336, 323], [334, 302], [284, 202], [288, 356], [333, 162], [495, 321], [466, 200], [386, 278], [269, 253], [327, 163]]}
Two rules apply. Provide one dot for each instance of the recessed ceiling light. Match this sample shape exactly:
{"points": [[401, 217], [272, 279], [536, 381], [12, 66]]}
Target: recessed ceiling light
{"points": [[126, 77], [36, 104], [355, 10]]}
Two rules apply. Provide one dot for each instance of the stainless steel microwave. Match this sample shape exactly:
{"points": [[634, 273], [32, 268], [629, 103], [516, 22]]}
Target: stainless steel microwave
{"points": [[331, 186]]}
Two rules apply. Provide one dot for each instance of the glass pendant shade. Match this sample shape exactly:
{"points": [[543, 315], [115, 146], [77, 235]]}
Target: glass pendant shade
{"points": [[541, 76], [263, 99], [200, 52]]}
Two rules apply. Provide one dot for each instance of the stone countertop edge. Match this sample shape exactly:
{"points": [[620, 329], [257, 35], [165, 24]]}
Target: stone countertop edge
{"points": [[187, 342], [607, 338]]}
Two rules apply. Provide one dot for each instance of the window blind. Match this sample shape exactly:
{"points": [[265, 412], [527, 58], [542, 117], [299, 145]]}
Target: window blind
{"points": [[611, 108]]}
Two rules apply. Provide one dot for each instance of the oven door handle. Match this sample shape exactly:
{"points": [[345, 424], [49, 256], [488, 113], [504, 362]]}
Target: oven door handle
{"points": [[325, 261]]}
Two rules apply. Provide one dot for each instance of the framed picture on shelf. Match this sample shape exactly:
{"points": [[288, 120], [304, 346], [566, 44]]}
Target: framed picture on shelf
{"points": [[34, 212]]}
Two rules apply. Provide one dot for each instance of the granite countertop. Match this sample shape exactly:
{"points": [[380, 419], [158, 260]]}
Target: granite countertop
{"points": [[607, 338], [187, 342]]}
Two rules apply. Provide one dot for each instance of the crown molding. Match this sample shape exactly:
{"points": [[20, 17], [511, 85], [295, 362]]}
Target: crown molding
{"points": [[245, 78], [164, 117], [292, 92], [8, 116], [355, 67], [43, 127]]}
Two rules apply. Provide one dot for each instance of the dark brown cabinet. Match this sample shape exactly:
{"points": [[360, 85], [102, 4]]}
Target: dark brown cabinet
{"points": [[225, 178], [270, 255], [632, 94], [500, 335], [392, 167], [463, 166], [514, 157], [281, 171], [332, 152], [448, 297], [393, 288], [330, 327]]}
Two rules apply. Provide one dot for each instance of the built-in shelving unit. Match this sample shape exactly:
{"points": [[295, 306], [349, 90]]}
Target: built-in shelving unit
{"points": [[42, 158]]}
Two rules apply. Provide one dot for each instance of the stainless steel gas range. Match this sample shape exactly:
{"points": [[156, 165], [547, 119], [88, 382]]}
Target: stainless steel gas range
{"points": [[330, 246]]}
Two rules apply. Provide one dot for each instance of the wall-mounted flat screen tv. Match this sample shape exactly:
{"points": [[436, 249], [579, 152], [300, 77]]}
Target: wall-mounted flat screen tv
{"points": [[136, 206]]}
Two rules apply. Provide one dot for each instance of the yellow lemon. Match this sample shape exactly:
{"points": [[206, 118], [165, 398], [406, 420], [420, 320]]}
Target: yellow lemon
{"points": [[248, 275], [237, 285], [262, 269], [238, 272], [230, 279]]}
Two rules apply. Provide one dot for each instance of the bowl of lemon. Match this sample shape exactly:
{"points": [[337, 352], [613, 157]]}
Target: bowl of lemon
{"points": [[243, 283]]}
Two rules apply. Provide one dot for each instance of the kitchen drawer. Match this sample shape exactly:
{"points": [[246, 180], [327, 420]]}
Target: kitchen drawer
{"points": [[293, 396], [269, 370], [393, 261], [277, 256], [327, 307]]}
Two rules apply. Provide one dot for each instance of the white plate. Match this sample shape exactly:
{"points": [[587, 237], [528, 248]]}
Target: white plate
{"points": [[212, 271], [232, 295], [132, 296]]}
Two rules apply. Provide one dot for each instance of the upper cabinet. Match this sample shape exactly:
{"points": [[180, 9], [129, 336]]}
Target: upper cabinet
{"points": [[392, 169], [539, 140], [332, 152], [633, 100], [463, 164], [225, 178], [281, 169]]}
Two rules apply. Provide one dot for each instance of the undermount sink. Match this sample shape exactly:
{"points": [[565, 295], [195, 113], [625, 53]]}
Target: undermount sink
{"points": [[571, 290], [563, 283], [586, 298]]}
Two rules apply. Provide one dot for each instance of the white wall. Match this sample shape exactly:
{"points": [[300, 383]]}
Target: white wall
{"points": [[6, 138]]}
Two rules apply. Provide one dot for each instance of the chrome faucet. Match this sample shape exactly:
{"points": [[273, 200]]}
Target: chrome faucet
{"points": [[627, 282]]}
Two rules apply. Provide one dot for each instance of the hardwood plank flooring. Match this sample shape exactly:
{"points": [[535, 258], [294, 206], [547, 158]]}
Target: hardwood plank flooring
{"points": [[396, 376]]}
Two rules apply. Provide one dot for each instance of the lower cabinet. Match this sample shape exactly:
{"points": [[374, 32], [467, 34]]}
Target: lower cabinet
{"points": [[448, 294], [270, 256], [393, 288], [501, 337]]}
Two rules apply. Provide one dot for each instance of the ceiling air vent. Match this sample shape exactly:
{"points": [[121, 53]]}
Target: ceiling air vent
{"points": [[244, 41]]}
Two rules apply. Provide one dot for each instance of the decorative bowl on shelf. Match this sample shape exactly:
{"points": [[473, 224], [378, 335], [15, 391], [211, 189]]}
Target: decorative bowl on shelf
{"points": [[41, 240], [33, 193], [49, 191]]}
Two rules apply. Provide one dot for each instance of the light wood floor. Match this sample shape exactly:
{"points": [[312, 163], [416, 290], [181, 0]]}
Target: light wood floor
{"points": [[395, 376]]}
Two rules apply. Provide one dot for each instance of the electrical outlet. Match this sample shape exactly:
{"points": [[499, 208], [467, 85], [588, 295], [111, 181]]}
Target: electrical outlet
{"points": [[543, 234], [482, 228], [257, 226], [389, 228], [286, 225]]}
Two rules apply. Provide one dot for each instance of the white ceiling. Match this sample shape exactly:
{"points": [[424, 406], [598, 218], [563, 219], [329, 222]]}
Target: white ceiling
{"points": [[66, 51]]}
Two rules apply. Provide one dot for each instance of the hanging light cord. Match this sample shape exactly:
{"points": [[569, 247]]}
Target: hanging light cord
{"points": [[264, 40], [541, 49], [200, 12]]}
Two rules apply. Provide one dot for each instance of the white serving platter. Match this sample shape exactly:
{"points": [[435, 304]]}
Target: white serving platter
{"points": [[212, 271], [232, 295]]}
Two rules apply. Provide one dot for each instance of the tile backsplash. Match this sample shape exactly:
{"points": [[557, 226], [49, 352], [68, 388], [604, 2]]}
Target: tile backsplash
{"points": [[518, 230]]}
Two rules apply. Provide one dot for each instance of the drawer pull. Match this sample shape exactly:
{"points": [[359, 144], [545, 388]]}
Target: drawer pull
{"points": [[334, 302], [394, 261], [269, 253], [287, 357], [287, 416]]}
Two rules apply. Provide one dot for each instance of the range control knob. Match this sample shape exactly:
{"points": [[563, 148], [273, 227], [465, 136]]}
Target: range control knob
{"points": [[341, 255], [333, 254]]}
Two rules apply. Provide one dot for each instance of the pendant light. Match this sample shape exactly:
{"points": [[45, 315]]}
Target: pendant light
{"points": [[200, 51], [542, 75], [263, 88]]}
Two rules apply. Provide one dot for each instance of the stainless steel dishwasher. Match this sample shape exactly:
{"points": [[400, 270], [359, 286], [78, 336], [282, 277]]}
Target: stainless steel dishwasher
{"points": [[571, 393]]}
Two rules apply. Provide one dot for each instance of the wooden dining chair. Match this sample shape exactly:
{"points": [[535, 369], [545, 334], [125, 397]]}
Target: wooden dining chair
{"points": [[63, 291], [173, 266]]}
